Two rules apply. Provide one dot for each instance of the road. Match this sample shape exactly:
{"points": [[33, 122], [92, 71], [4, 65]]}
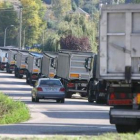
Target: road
{"points": [[75, 117]]}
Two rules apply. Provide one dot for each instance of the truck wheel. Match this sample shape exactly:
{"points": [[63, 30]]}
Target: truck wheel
{"points": [[27, 81], [68, 95], [37, 99], [20, 76], [30, 81], [15, 73], [127, 128], [83, 94], [98, 100], [62, 100], [90, 100]]}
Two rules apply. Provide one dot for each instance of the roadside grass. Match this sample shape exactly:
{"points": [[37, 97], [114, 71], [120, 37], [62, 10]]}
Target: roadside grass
{"points": [[12, 111], [108, 136]]}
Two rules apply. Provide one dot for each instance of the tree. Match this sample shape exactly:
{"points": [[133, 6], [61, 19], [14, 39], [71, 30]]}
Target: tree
{"points": [[79, 3], [73, 43], [7, 18], [79, 26], [61, 7], [74, 6], [136, 1], [33, 20]]}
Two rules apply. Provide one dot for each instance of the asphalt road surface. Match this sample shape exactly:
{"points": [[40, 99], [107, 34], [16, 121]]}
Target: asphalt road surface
{"points": [[75, 117]]}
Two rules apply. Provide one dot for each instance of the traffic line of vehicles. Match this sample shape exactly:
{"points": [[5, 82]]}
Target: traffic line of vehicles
{"points": [[112, 75], [75, 69]]}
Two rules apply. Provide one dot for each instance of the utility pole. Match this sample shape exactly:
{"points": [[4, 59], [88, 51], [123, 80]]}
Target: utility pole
{"points": [[20, 28]]}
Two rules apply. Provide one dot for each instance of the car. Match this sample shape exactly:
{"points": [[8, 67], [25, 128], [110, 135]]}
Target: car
{"points": [[48, 88]]}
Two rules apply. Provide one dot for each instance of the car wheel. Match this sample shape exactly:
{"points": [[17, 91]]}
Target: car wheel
{"points": [[37, 99], [58, 100], [33, 99], [62, 100]]}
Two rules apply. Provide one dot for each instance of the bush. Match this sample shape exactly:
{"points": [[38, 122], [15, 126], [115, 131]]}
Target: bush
{"points": [[12, 111]]}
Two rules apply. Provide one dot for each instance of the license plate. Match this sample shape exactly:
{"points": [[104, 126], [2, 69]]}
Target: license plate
{"points": [[50, 89]]}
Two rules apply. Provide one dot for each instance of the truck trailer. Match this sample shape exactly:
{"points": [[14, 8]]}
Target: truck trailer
{"points": [[20, 66], [49, 64], [33, 71], [3, 57], [75, 70], [11, 62], [119, 64]]}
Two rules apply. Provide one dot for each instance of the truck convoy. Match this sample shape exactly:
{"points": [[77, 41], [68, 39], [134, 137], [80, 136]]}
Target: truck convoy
{"points": [[119, 64], [75, 69], [32, 71], [11, 62], [20, 66], [3, 58]]}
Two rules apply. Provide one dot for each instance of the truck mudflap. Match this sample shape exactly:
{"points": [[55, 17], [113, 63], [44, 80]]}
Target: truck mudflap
{"points": [[124, 116]]}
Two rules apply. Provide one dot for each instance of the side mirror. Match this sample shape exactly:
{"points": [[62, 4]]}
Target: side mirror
{"points": [[88, 63], [26, 60], [14, 57], [6, 55], [53, 63], [37, 63]]}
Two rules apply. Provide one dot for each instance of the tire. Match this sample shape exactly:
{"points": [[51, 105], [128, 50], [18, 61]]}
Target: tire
{"points": [[20, 76], [83, 95], [37, 99], [16, 73], [67, 94], [126, 128], [58, 100], [33, 99], [27, 81], [30, 80], [10, 71], [62, 100], [98, 100]]}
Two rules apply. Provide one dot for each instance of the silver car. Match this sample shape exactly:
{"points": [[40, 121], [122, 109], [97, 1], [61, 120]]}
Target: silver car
{"points": [[48, 88]]}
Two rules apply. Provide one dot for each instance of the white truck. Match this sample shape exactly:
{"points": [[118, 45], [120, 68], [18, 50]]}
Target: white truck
{"points": [[33, 71], [49, 64], [11, 62], [20, 66], [119, 64], [75, 69], [3, 57]]}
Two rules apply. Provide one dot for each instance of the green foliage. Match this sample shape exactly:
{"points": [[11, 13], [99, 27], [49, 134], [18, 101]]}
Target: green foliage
{"points": [[33, 22], [79, 26], [8, 18], [136, 1], [61, 7], [74, 6], [79, 3], [52, 41], [12, 111]]}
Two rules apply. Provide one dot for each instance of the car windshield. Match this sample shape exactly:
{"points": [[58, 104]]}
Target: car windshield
{"points": [[50, 83]]}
